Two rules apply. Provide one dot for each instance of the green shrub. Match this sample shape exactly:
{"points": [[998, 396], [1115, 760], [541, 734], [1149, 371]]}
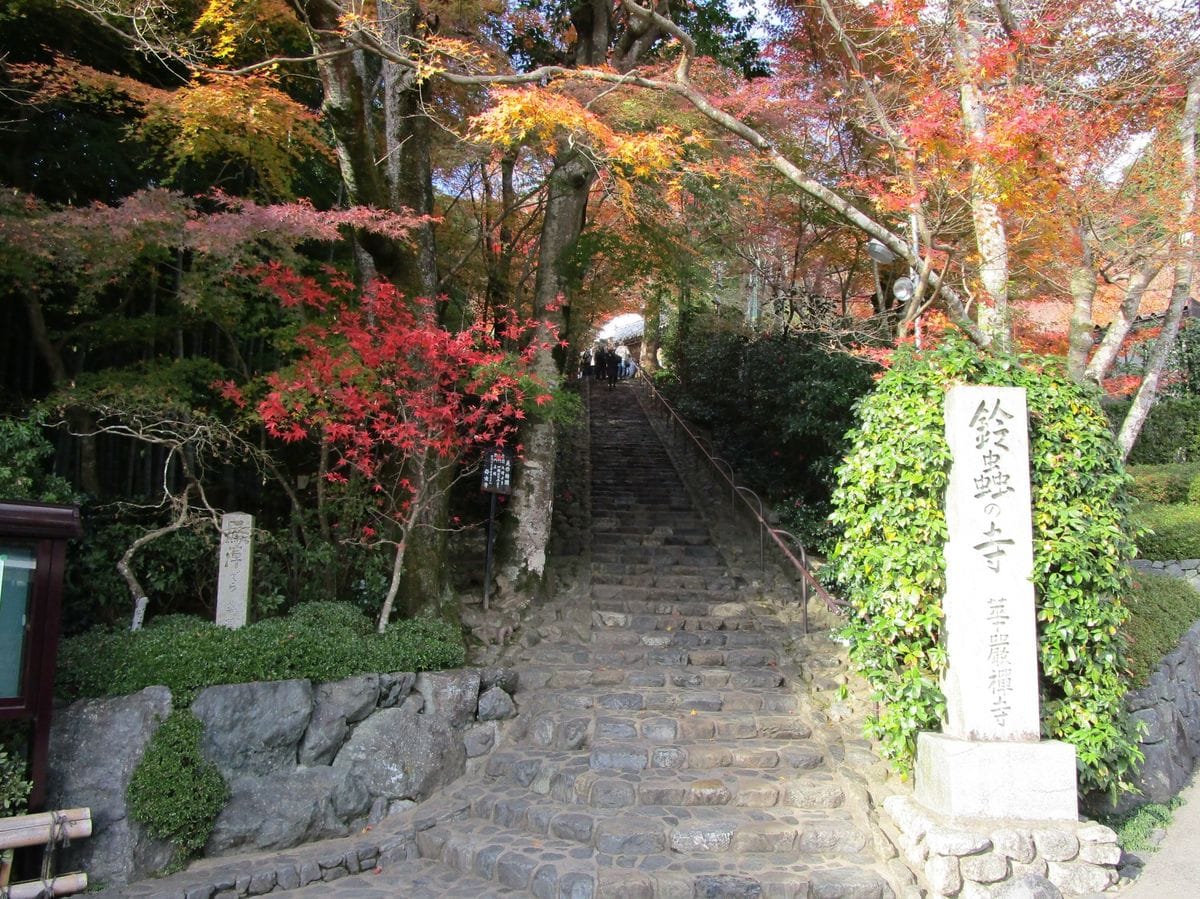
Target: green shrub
{"points": [[331, 615], [25, 456], [777, 406], [1163, 483], [1171, 432], [1193, 494], [175, 792], [318, 641], [1168, 532], [1136, 831], [1161, 610], [14, 787], [889, 563]]}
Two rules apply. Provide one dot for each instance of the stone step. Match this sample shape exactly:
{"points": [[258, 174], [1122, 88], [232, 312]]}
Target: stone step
{"points": [[694, 602], [605, 616], [666, 700], [720, 584], [546, 866], [642, 553], [537, 678], [414, 878], [736, 788], [664, 656], [610, 637], [527, 766], [712, 570], [680, 604], [580, 729], [635, 537], [642, 830]]}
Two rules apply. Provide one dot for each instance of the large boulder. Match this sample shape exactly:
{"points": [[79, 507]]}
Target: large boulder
{"points": [[254, 729], [402, 754], [336, 706], [452, 695], [95, 745], [278, 811]]}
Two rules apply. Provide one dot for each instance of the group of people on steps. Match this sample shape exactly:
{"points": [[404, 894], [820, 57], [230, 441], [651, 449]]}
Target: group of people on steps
{"points": [[607, 364]]}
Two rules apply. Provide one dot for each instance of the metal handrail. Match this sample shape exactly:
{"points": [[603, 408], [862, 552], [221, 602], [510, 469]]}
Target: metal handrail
{"points": [[808, 581]]}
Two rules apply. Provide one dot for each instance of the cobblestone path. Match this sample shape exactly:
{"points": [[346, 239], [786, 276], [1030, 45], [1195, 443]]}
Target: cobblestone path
{"points": [[667, 744]]}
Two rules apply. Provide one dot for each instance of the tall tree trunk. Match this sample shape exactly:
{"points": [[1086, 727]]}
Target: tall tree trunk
{"points": [[1110, 347], [651, 336], [1185, 248], [991, 239], [523, 560], [376, 110], [1083, 292], [80, 421]]}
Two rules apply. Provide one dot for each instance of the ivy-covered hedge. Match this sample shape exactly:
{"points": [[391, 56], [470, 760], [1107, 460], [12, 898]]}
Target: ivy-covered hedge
{"points": [[1168, 531], [889, 563], [319, 641], [1164, 483]]}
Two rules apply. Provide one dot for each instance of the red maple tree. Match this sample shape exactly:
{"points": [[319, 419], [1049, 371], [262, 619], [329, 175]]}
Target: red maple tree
{"points": [[396, 397]]}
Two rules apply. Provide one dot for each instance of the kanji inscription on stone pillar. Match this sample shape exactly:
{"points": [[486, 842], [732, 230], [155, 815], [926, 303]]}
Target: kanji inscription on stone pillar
{"points": [[991, 686], [237, 565]]}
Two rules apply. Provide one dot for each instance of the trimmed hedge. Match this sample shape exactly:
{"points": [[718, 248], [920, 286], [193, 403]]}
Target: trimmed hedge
{"points": [[1168, 531], [1161, 610], [319, 641], [1171, 432], [1164, 483]]}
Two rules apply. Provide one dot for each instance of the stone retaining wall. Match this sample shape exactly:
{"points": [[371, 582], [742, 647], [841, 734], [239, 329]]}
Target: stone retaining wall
{"points": [[1169, 705], [1186, 569], [304, 761]]}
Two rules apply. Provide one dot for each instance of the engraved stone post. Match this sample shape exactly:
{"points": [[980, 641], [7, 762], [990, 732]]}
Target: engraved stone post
{"points": [[233, 582], [988, 761]]}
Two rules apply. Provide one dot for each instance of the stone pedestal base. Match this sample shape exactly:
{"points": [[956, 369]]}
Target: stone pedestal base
{"points": [[976, 779]]}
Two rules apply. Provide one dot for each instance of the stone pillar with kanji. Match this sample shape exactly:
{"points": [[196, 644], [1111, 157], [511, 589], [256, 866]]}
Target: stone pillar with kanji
{"points": [[989, 760], [236, 569]]}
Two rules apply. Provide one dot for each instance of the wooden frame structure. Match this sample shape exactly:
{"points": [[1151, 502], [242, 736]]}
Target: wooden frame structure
{"points": [[38, 532]]}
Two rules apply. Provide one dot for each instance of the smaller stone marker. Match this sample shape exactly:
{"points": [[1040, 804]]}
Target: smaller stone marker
{"points": [[989, 761], [237, 558]]}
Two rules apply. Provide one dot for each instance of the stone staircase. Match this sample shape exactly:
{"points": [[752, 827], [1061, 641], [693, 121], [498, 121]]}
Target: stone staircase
{"points": [[666, 746], [677, 735]]}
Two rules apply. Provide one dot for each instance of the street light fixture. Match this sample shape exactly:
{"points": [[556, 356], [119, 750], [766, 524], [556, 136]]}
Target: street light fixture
{"points": [[879, 252]]}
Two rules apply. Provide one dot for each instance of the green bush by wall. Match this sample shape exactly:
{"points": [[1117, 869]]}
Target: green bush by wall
{"points": [[889, 563], [175, 792], [1168, 531], [318, 641], [1161, 610]]}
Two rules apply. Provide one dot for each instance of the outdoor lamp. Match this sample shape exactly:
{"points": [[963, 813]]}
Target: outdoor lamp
{"points": [[878, 251], [902, 289]]}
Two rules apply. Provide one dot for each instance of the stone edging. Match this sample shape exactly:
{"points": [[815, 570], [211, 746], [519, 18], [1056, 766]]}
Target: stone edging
{"points": [[963, 858], [393, 840], [1184, 569]]}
